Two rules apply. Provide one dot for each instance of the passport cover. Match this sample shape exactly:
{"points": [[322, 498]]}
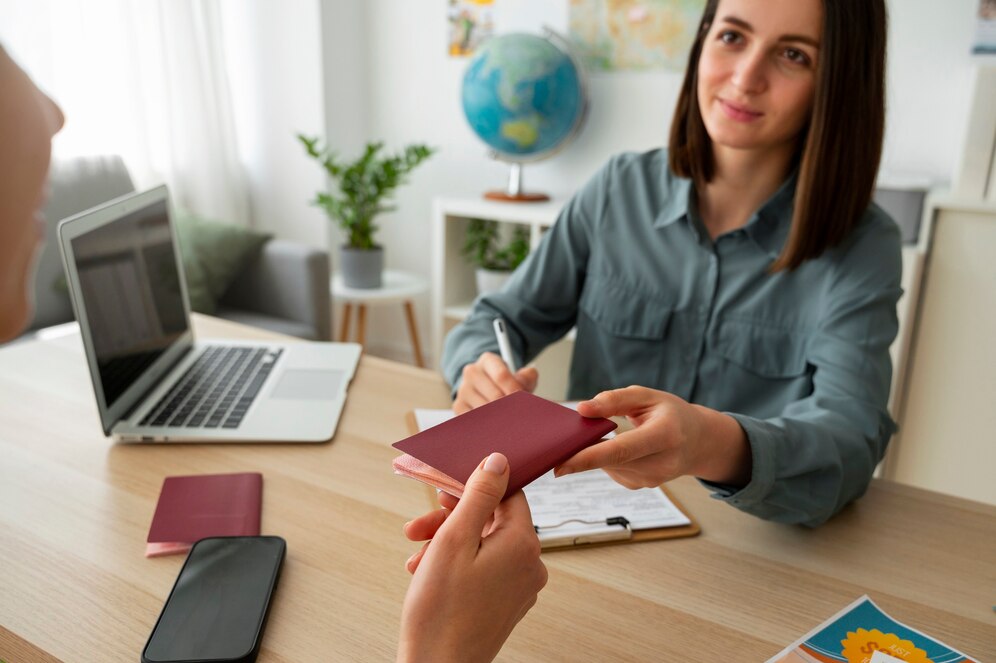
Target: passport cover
{"points": [[535, 435], [191, 508]]}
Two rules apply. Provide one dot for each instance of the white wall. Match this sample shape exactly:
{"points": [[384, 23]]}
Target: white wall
{"points": [[930, 85], [412, 94], [278, 88], [345, 62], [346, 88]]}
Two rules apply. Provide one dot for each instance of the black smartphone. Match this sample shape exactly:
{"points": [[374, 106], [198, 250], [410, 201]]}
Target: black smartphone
{"points": [[218, 606]]}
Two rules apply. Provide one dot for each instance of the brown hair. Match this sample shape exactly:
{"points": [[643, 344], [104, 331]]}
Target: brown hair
{"points": [[839, 150]]}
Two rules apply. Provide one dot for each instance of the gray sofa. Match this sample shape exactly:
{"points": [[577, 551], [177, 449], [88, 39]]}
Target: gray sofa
{"points": [[285, 289]]}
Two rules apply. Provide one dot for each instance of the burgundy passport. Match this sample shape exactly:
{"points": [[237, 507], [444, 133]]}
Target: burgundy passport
{"points": [[535, 435], [191, 508]]}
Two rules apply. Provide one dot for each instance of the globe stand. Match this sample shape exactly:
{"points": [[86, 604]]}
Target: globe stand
{"points": [[514, 192]]}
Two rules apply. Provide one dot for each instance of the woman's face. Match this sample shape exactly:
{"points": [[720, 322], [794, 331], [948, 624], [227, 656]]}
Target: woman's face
{"points": [[757, 72], [28, 120]]}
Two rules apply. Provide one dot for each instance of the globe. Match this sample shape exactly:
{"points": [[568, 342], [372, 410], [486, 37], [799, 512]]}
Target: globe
{"points": [[524, 95]]}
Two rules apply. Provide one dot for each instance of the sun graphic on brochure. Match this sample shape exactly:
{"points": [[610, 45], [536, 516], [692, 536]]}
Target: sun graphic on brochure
{"points": [[862, 643]]}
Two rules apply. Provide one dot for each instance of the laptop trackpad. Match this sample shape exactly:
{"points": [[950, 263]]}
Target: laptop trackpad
{"points": [[310, 385]]}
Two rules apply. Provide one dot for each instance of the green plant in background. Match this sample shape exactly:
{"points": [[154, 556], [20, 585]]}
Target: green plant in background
{"points": [[483, 247], [363, 185]]}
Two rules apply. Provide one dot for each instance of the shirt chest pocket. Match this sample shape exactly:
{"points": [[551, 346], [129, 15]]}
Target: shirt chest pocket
{"points": [[625, 313], [621, 335], [766, 352]]}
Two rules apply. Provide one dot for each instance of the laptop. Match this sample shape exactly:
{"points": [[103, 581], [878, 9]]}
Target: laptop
{"points": [[153, 381]]}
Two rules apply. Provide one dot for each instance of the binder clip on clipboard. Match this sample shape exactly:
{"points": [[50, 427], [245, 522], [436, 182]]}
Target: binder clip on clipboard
{"points": [[575, 532]]}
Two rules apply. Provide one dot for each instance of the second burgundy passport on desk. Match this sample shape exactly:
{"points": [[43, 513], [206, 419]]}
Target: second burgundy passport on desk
{"points": [[191, 508], [535, 435]]}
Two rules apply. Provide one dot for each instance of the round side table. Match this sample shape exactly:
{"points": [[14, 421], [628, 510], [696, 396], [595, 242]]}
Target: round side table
{"points": [[396, 287]]}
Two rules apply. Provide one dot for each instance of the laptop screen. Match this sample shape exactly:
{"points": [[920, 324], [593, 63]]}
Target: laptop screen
{"points": [[131, 291]]}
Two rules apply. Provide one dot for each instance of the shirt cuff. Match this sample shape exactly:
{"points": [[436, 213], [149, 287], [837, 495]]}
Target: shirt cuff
{"points": [[762, 443]]}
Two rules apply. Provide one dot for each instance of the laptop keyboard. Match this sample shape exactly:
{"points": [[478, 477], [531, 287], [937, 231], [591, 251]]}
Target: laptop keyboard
{"points": [[217, 390]]}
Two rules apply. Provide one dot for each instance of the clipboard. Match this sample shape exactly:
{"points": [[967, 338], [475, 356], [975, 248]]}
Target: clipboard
{"points": [[600, 531]]}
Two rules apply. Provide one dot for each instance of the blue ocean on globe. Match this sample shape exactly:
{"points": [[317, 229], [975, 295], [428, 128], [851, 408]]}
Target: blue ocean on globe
{"points": [[523, 96]]}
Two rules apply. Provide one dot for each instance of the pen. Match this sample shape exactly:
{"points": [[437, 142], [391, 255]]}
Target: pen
{"points": [[504, 346]]}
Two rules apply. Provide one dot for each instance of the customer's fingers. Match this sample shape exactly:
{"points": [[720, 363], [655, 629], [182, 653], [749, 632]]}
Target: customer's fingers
{"points": [[514, 512], [446, 500], [425, 526], [481, 496], [412, 564]]}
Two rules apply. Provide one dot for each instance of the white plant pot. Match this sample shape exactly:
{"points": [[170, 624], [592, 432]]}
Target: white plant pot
{"points": [[489, 280]]}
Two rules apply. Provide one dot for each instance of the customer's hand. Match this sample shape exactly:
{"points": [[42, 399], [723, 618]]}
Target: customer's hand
{"points": [[488, 379], [671, 438], [470, 589]]}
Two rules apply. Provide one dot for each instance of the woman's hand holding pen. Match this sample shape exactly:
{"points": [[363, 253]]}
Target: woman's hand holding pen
{"points": [[671, 438], [470, 589], [488, 379]]}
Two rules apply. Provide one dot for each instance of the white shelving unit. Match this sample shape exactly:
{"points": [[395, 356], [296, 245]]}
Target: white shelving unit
{"points": [[453, 288]]}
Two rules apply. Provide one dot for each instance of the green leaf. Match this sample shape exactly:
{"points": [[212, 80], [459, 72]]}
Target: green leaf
{"points": [[362, 186], [483, 245]]}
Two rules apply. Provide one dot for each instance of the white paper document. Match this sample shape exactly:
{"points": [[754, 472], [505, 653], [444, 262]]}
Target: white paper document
{"points": [[583, 504]]}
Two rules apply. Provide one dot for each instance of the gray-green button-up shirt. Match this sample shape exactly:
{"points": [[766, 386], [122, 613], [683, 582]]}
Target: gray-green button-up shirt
{"points": [[800, 358]]}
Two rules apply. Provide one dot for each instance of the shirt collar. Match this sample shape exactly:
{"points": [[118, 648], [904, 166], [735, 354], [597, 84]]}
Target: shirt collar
{"points": [[768, 227], [676, 201]]}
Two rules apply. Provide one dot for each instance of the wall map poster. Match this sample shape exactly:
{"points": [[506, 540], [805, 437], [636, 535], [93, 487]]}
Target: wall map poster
{"points": [[635, 34]]}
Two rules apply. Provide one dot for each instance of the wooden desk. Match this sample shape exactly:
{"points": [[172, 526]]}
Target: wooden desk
{"points": [[75, 509]]}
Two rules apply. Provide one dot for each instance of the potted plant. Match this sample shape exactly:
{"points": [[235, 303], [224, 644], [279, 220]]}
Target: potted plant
{"points": [[362, 186], [494, 259]]}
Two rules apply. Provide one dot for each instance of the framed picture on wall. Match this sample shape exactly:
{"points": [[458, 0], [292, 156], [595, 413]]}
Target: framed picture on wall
{"points": [[471, 22], [985, 29]]}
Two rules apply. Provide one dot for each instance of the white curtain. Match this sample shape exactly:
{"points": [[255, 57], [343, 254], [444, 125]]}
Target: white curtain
{"points": [[146, 79]]}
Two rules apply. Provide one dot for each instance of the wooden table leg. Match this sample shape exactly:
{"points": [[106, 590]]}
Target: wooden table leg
{"points": [[413, 330], [347, 309], [361, 321]]}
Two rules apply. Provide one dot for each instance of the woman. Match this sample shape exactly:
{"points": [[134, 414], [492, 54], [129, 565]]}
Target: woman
{"points": [[468, 589], [742, 277]]}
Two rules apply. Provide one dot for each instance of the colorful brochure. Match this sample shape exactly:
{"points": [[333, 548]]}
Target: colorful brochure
{"points": [[862, 633]]}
